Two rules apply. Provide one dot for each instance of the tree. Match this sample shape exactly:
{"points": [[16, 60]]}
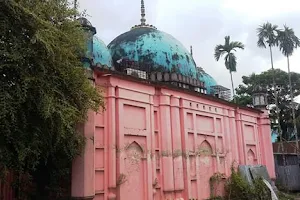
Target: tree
{"points": [[228, 50], [288, 42], [265, 79], [268, 36], [44, 91]]}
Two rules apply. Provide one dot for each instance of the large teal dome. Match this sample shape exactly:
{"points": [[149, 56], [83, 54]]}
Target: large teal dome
{"points": [[154, 48], [208, 80]]}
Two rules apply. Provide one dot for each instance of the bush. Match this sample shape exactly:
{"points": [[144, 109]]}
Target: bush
{"points": [[237, 188], [44, 93]]}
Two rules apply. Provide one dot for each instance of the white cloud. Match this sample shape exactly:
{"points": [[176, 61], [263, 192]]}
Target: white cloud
{"points": [[261, 9]]}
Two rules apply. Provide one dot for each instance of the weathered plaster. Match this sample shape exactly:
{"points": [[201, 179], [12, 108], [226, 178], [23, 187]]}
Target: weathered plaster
{"points": [[152, 142]]}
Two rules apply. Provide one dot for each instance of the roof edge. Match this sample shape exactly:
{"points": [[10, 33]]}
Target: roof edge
{"points": [[168, 86]]}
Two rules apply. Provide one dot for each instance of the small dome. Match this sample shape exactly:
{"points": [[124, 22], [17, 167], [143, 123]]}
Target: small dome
{"points": [[84, 22], [208, 80], [101, 54], [154, 48], [97, 53]]}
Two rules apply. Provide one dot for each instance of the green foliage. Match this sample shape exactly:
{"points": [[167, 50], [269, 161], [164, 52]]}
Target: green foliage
{"points": [[245, 91], [237, 188], [227, 51], [214, 183], [283, 196], [44, 92], [267, 35], [288, 41]]}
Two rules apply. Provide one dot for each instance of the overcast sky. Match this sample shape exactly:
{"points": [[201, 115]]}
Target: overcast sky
{"points": [[203, 24]]}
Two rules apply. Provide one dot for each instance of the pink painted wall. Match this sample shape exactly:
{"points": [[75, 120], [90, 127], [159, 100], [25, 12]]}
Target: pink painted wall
{"points": [[156, 143]]}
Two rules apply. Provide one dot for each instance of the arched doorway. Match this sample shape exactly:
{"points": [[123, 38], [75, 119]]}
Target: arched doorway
{"points": [[133, 186], [206, 168], [251, 157]]}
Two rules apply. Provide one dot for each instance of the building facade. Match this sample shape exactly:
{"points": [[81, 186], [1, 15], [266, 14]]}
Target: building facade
{"points": [[161, 135], [153, 142]]}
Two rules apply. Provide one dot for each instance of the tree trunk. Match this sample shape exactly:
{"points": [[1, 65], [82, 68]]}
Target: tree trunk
{"points": [[276, 96], [233, 93], [293, 107], [278, 117]]}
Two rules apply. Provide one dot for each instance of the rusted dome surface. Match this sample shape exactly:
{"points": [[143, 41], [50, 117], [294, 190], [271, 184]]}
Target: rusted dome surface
{"points": [[208, 80], [101, 54], [153, 48]]}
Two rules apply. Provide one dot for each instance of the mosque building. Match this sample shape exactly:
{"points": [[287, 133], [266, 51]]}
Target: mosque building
{"points": [[167, 126]]}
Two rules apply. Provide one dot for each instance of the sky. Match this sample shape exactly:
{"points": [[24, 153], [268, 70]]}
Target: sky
{"points": [[204, 24]]}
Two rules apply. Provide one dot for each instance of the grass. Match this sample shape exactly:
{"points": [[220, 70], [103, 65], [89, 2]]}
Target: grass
{"points": [[288, 196]]}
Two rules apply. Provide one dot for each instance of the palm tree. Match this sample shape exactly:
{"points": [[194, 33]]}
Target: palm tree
{"points": [[288, 42], [268, 36], [228, 50]]}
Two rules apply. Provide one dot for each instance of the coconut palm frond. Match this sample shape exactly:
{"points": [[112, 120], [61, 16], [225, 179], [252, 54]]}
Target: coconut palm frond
{"points": [[227, 49], [219, 51], [235, 44], [227, 41], [261, 43], [230, 62], [230, 59], [288, 41], [267, 34]]}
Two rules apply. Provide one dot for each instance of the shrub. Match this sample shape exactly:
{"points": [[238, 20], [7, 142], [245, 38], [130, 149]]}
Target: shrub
{"points": [[237, 188]]}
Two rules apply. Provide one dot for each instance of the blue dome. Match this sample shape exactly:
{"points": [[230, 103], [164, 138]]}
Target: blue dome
{"points": [[101, 54], [207, 79], [154, 48]]}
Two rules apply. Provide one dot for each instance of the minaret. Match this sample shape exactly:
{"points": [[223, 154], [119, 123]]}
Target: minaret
{"points": [[75, 4]]}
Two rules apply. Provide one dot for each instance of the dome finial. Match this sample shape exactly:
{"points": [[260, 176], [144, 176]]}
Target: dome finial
{"points": [[143, 20], [191, 50]]}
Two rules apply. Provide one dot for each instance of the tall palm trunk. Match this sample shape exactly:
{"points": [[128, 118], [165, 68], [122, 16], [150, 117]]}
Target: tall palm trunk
{"points": [[233, 93], [276, 95], [278, 116], [293, 108]]}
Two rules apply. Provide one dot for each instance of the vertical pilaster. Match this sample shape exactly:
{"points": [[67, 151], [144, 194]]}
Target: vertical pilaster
{"points": [[111, 134], [228, 145], [148, 169], [184, 142], [266, 143], [83, 168], [176, 143], [152, 143], [240, 138], [119, 140], [166, 143]]}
